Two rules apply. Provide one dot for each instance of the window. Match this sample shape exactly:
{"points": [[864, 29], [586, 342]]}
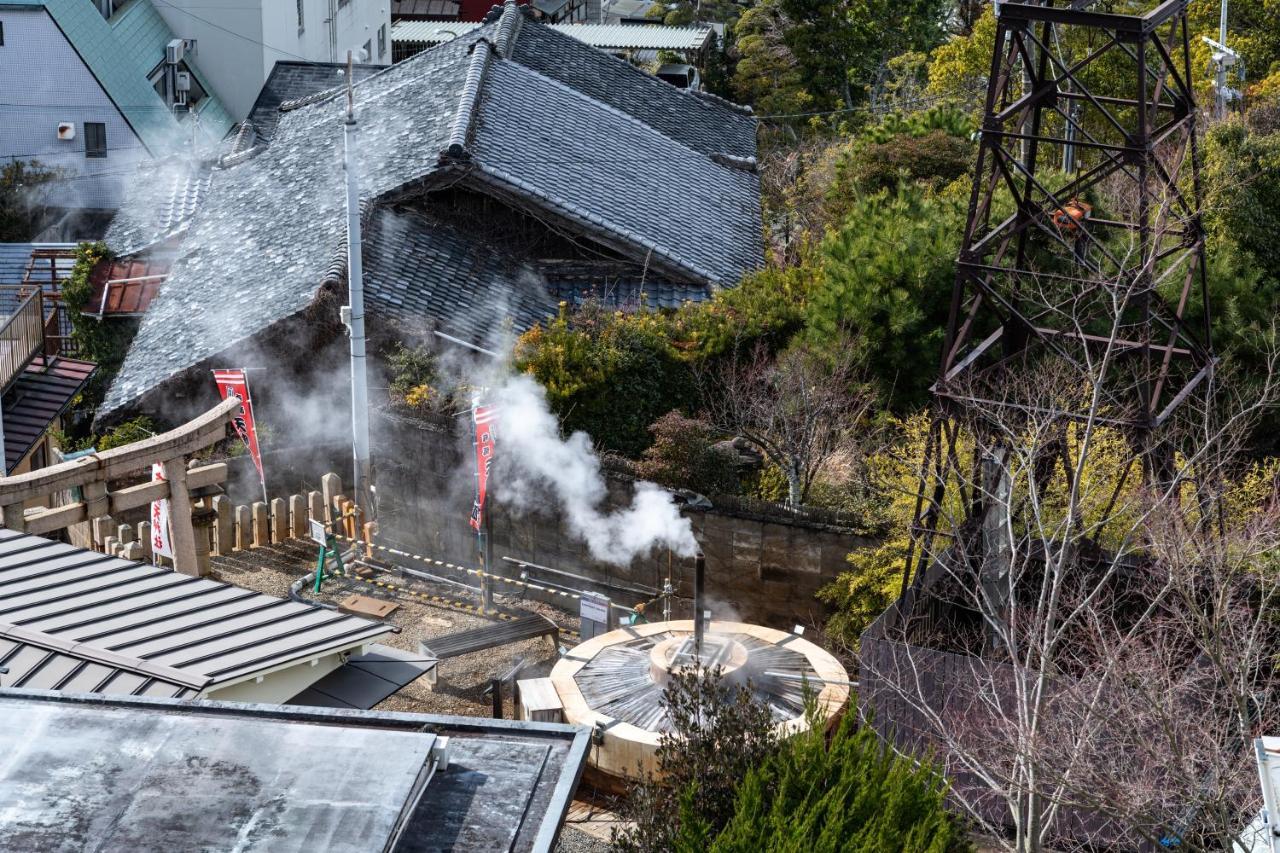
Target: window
{"points": [[301, 20], [1, 33], [95, 139], [342, 3], [382, 41], [366, 52]]}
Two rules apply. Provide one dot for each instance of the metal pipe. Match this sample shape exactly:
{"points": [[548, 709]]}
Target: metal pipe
{"points": [[699, 577], [610, 584], [355, 315]]}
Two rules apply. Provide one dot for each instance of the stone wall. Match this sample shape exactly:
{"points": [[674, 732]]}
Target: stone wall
{"points": [[760, 569]]}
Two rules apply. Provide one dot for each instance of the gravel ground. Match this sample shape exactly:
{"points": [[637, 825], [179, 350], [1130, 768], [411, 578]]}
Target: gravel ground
{"points": [[461, 681], [573, 841]]}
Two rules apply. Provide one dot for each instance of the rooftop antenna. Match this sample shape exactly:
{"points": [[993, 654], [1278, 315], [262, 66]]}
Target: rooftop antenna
{"points": [[353, 315]]}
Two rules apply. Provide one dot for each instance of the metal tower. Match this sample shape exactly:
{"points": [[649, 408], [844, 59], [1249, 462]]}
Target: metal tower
{"points": [[1083, 245]]}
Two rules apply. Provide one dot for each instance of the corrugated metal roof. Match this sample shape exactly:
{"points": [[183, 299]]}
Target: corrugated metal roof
{"points": [[41, 393], [14, 258], [603, 36], [148, 622]]}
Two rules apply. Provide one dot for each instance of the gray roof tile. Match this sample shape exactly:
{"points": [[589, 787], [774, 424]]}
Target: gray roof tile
{"points": [[629, 167]]}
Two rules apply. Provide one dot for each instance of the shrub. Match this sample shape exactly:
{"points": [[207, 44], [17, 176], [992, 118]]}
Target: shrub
{"points": [[607, 373], [137, 429], [853, 795], [684, 455], [887, 278], [719, 732]]}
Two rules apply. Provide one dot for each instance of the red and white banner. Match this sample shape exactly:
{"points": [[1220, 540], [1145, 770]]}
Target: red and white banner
{"points": [[161, 540], [485, 419], [233, 383]]}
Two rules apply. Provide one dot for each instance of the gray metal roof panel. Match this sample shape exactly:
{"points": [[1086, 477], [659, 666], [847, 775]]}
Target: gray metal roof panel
{"points": [[143, 622]]}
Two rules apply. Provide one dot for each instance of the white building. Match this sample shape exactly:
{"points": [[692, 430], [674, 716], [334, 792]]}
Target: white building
{"points": [[241, 40], [92, 91]]}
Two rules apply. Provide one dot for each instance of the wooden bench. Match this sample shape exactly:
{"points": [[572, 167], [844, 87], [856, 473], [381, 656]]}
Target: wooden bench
{"points": [[489, 637]]}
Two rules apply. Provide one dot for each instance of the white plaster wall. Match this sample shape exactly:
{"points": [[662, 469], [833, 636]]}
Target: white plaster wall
{"points": [[229, 39], [240, 41], [281, 685], [44, 82]]}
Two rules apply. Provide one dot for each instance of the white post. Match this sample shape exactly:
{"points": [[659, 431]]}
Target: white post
{"points": [[355, 315]]}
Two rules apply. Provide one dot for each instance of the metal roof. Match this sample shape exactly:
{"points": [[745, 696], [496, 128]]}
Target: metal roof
{"points": [[14, 258], [41, 393], [159, 775], [603, 36], [68, 615]]}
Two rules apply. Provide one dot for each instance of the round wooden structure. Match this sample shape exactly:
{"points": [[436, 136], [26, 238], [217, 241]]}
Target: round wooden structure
{"points": [[614, 683]]}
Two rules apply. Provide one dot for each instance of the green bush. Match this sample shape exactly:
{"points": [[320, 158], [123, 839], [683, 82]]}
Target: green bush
{"points": [[887, 277], [104, 343], [855, 795], [137, 429], [608, 374]]}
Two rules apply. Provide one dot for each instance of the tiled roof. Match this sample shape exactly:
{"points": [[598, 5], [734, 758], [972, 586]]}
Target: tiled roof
{"points": [[602, 36], [39, 395], [164, 196], [65, 612], [292, 81], [416, 268], [633, 166]]}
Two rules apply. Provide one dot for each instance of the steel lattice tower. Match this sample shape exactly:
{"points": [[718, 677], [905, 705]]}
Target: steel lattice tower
{"points": [[1083, 244]]}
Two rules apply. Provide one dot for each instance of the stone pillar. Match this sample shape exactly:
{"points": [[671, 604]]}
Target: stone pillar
{"points": [[331, 486], [202, 522], [224, 526], [261, 525], [279, 520], [244, 528], [297, 516], [14, 517], [184, 535]]}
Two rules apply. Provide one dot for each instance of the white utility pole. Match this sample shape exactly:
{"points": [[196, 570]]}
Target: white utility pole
{"points": [[1224, 59], [354, 315]]}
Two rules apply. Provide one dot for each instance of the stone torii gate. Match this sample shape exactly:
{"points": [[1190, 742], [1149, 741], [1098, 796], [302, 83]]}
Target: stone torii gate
{"points": [[92, 475]]}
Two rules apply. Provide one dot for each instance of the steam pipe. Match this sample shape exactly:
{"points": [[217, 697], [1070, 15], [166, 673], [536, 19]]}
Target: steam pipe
{"points": [[699, 577], [355, 315]]}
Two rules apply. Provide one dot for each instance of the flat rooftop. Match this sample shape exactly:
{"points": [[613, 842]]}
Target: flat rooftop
{"points": [[139, 774]]}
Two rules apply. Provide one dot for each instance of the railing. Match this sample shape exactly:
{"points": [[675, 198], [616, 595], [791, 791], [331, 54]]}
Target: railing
{"points": [[21, 337]]}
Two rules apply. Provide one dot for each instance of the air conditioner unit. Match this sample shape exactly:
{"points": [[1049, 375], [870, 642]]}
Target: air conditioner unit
{"points": [[174, 51], [182, 81], [66, 130]]}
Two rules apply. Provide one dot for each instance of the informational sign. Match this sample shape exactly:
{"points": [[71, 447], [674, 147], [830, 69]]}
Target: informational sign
{"points": [[594, 612], [161, 538], [318, 534]]}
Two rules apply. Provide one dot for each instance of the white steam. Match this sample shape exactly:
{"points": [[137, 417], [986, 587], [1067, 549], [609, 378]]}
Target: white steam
{"points": [[537, 464]]}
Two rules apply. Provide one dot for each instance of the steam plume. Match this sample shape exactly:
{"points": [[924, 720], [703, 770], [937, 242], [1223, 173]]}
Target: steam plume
{"points": [[537, 463]]}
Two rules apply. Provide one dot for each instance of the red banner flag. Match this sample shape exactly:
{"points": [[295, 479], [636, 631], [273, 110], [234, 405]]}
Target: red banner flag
{"points": [[485, 419], [233, 383]]}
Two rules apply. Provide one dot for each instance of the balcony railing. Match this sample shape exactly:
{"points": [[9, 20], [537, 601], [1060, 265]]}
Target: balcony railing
{"points": [[22, 335]]}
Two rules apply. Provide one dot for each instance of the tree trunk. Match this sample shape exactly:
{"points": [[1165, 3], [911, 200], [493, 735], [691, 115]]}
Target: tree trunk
{"points": [[795, 492]]}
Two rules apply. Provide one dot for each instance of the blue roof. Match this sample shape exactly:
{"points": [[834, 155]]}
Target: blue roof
{"points": [[121, 53]]}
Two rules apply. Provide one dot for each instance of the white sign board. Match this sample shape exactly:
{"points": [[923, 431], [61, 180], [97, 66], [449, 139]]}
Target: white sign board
{"points": [[318, 534], [595, 608]]}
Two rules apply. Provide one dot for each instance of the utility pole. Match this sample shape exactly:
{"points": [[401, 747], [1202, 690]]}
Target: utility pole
{"points": [[354, 316], [1224, 59]]}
